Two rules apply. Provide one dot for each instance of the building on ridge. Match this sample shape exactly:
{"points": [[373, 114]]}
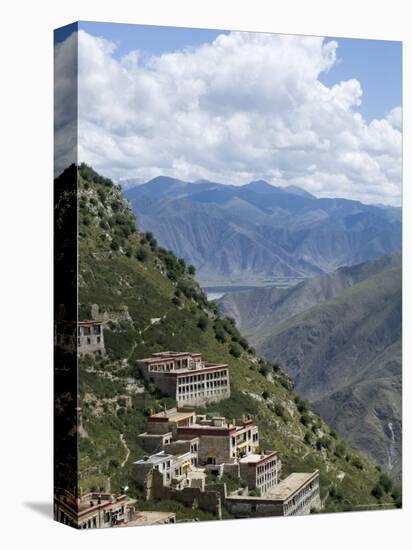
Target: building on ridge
{"points": [[80, 336], [186, 377]]}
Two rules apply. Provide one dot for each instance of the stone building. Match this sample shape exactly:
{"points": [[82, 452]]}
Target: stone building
{"points": [[162, 462], [173, 470], [260, 471], [298, 494], [189, 446], [186, 377], [211, 440], [93, 510], [221, 441], [80, 336]]}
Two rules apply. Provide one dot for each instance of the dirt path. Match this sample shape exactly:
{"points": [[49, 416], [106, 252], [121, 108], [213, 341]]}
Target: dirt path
{"points": [[123, 442]]}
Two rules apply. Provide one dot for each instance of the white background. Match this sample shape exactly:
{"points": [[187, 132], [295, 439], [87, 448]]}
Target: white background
{"points": [[26, 270]]}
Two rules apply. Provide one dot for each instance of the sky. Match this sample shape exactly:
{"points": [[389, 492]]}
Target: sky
{"points": [[321, 113]]}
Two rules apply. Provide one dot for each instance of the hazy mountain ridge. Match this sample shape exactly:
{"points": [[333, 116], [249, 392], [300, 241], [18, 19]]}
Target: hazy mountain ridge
{"points": [[257, 311], [339, 338], [258, 231]]}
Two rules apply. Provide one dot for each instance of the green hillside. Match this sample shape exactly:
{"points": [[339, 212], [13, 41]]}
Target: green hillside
{"points": [[121, 268]]}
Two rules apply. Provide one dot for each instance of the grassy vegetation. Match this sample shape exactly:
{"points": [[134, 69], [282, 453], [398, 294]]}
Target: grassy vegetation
{"points": [[152, 283]]}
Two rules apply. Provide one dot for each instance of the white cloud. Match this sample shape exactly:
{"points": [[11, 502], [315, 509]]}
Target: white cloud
{"points": [[247, 106]]}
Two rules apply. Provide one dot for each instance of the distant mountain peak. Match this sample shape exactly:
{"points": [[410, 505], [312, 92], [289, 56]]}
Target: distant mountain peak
{"points": [[261, 186], [295, 190], [165, 180]]}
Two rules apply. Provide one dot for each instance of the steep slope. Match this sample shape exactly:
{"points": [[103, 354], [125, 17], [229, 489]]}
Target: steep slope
{"points": [[256, 232], [343, 354], [257, 311], [151, 303]]}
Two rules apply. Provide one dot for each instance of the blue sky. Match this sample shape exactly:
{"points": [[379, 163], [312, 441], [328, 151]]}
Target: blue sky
{"points": [[377, 64], [245, 106]]}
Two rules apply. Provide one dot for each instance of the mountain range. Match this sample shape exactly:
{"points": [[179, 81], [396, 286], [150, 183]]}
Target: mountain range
{"points": [[151, 302], [258, 232], [339, 338]]}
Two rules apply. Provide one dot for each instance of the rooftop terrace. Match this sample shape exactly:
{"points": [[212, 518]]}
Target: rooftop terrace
{"points": [[290, 485], [256, 458]]}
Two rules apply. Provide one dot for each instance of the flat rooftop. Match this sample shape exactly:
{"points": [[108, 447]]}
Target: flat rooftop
{"points": [[154, 459], [290, 485], [254, 458], [174, 415]]}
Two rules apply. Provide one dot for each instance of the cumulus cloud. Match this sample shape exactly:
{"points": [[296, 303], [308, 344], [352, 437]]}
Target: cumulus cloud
{"points": [[246, 106]]}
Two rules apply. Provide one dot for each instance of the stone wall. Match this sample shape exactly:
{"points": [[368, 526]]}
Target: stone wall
{"points": [[143, 475], [152, 443], [209, 500], [249, 507]]}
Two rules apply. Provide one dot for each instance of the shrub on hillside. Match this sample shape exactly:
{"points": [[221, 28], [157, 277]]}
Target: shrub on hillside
{"points": [[235, 350], [378, 491], [308, 438], [281, 411], [264, 369], [220, 334], [305, 419], [340, 450], [386, 482], [141, 254], [202, 323], [357, 462]]}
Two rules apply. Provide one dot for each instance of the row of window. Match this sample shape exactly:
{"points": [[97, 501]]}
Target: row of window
{"points": [[202, 387], [304, 503], [246, 436], [268, 477], [305, 494], [270, 465], [202, 376], [81, 340], [205, 393], [171, 366], [264, 488]]}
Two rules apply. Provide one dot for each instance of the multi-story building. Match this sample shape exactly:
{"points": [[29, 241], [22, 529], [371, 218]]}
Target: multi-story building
{"points": [[212, 440], [161, 461], [298, 494], [193, 444], [221, 441], [177, 470], [260, 471], [80, 336], [161, 432], [186, 377], [93, 510]]}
